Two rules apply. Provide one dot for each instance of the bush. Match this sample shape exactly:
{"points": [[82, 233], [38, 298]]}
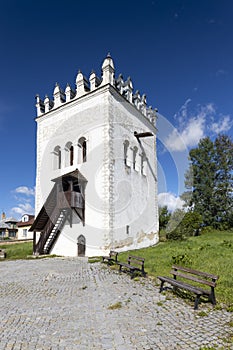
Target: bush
{"points": [[183, 225], [175, 235], [174, 230], [182, 259]]}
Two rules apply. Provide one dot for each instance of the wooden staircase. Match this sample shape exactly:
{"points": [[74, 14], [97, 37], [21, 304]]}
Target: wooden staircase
{"points": [[51, 233], [62, 200]]}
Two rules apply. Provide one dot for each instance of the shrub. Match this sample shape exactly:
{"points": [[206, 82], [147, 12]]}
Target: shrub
{"points": [[183, 225], [182, 259]]}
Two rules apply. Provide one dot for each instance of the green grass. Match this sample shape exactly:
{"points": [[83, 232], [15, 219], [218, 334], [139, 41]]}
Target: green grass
{"points": [[211, 252], [17, 250]]}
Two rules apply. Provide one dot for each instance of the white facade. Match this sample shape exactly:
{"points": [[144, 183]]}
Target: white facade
{"points": [[92, 130], [24, 227]]}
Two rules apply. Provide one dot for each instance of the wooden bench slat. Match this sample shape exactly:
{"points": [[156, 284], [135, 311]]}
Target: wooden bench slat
{"points": [[184, 285], [136, 262], [129, 266], [138, 258], [133, 264], [184, 275], [195, 272], [193, 278]]}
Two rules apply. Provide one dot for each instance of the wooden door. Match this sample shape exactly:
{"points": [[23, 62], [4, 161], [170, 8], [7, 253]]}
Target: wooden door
{"points": [[81, 245]]}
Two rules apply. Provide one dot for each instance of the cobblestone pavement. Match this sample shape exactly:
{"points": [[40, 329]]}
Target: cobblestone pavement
{"points": [[68, 303]]}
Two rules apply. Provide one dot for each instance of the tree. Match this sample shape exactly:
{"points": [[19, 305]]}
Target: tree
{"points": [[164, 217], [209, 181], [200, 180], [224, 180]]}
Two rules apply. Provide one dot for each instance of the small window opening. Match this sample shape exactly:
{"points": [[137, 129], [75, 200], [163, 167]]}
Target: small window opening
{"points": [[82, 151], [143, 164], [71, 155], [126, 149], [135, 150], [57, 158]]}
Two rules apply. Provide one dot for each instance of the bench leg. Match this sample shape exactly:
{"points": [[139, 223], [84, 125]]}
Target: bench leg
{"points": [[212, 296], [143, 273], [196, 302], [161, 287]]}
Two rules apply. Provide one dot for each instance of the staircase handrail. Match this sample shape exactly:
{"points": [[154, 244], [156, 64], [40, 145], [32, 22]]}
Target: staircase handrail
{"points": [[47, 230]]}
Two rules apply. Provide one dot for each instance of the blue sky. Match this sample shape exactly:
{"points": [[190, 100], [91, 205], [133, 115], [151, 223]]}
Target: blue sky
{"points": [[178, 52]]}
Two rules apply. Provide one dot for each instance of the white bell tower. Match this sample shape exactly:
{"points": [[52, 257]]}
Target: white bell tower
{"points": [[96, 178]]}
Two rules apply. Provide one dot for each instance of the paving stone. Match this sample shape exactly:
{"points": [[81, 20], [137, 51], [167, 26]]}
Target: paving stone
{"points": [[63, 303]]}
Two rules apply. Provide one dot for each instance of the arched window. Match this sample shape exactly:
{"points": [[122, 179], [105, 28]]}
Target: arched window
{"points": [[82, 150], [69, 149], [57, 158], [126, 151]]}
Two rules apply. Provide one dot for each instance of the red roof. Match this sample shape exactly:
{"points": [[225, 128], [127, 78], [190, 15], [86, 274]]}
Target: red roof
{"points": [[26, 223]]}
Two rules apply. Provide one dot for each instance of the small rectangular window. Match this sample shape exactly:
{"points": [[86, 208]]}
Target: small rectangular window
{"points": [[127, 229]]}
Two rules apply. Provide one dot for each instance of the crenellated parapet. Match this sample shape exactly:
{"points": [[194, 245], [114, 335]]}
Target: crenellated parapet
{"points": [[58, 96], [82, 86], [85, 86], [94, 81], [70, 94]]}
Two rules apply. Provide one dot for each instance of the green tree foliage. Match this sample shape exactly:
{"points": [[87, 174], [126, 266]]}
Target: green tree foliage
{"points": [[209, 181], [174, 229], [164, 217], [183, 224], [224, 181]]}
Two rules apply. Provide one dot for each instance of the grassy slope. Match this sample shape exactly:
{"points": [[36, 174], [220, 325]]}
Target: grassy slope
{"points": [[211, 252], [17, 250]]}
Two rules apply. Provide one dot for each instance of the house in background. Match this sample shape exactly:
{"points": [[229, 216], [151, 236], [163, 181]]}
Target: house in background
{"points": [[24, 226], [8, 227]]}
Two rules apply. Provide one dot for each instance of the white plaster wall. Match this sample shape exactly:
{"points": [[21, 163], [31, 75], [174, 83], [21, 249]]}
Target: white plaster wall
{"points": [[67, 243], [20, 233], [135, 194]]}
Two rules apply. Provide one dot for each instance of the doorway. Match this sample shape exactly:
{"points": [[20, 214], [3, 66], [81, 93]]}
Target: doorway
{"points": [[81, 245]]}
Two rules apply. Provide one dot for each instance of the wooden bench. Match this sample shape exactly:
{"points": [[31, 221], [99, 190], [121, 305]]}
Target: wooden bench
{"points": [[112, 257], [199, 281], [134, 264]]}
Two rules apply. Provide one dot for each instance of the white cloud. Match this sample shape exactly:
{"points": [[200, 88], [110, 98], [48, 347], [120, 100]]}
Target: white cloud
{"points": [[223, 125], [188, 137], [170, 200], [191, 127], [182, 114], [23, 201], [21, 209], [25, 190]]}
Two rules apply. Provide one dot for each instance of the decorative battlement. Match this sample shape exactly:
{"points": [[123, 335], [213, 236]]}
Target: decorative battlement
{"points": [[84, 87]]}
